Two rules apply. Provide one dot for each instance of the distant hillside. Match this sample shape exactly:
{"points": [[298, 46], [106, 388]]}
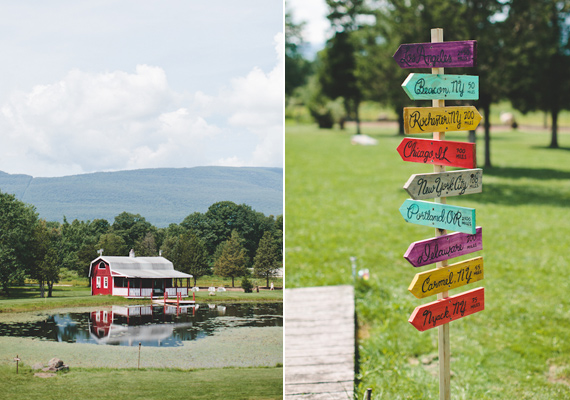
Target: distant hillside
{"points": [[162, 196]]}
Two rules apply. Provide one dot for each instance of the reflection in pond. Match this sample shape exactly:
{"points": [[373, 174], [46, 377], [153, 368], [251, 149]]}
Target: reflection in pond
{"points": [[150, 325]]}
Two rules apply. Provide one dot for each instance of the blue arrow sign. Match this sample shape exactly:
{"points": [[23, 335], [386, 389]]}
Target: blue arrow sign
{"points": [[438, 215], [441, 87]]}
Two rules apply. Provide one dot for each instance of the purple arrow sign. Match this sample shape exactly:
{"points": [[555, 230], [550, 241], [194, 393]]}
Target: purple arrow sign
{"points": [[444, 247], [436, 55]]}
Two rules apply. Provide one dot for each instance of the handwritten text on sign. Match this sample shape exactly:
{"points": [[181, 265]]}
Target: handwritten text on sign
{"points": [[438, 152], [440, 119], [449, 309], [453, 276], [444, 247], [445, 184], [443, 87], [435, 55], [442, 216]]}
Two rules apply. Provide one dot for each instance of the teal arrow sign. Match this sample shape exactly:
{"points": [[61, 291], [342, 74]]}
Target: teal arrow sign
{"points": [[442, 216], [441, 87]]}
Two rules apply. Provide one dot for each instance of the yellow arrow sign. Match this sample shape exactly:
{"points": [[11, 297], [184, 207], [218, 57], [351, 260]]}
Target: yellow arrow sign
{"points": [[440, 119], [440, 280]]}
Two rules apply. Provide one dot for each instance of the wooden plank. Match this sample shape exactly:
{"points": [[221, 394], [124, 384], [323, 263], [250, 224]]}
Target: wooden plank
{"points": [[448, 309], [435, 55], [445, 184], [439, 280], [445, 87], [442, 216], [440, 119], [319, 342], [438, 152], [441, 248]]}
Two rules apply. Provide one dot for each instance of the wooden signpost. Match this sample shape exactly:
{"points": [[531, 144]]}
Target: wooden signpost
{"points": [[453, 276], [448, 309], [437, 54], [441, 248], [438, 152], [442, 216], [456, 183], [440, 119], [448, 87], [438, 185]]}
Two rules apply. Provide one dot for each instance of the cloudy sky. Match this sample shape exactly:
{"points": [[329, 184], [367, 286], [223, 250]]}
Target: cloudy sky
{"points": [[110, 85], [314, 14]]}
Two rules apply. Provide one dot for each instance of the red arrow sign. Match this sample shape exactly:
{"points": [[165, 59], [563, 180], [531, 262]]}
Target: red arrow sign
{"points": [[435, 55], [438, 152], [449, 309]]}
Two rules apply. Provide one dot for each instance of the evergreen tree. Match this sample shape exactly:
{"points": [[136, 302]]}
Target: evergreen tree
{"points": [[233, 258], [267, 259]]}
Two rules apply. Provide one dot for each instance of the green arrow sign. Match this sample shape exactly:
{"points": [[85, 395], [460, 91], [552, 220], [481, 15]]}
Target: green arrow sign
{"points": [[442, 87], [442, 216]]}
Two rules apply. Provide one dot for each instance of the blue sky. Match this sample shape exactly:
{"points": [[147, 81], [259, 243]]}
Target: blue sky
{"points": [[119, 84]]}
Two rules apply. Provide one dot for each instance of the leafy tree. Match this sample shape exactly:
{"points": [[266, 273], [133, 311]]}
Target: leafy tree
{"points": [[267, 259], [188, 253], [233, 258], [146, 247], [47, 256], [17, 225], [539, 57], [112, 245], [297, 68], [131, 227]]}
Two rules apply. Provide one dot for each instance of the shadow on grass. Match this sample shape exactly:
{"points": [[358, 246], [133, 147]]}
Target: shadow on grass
{"points": [[517, 195], [549, 148], [532, 173]]}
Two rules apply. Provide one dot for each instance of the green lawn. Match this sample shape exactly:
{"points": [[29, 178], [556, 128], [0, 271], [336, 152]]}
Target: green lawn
{"points": [[343, 200], [99, 384], [28, 298]]}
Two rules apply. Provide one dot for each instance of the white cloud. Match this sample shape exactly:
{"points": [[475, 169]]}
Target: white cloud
{"points": [[117, 120]]}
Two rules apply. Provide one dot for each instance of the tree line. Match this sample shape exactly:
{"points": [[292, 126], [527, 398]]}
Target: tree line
{"points": [[227, 240], [523, 56]]}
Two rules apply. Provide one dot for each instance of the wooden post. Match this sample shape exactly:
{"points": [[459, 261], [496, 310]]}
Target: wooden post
{"points": [[443, 331], [139, 364]]}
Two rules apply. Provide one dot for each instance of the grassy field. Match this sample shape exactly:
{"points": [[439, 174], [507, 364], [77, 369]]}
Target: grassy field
{"points": [[343, 200], [144, 384], [28, 298]]}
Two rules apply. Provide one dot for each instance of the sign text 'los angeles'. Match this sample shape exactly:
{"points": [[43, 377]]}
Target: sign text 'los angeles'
{"points": [[436, 55]]}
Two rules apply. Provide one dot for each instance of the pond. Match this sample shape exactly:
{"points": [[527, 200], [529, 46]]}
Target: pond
{"points": [[150, 325]]}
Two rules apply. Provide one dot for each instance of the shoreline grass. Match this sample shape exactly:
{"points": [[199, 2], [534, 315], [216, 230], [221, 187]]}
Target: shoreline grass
{"points": [[175, 384], [343, 201], [27, 298]]}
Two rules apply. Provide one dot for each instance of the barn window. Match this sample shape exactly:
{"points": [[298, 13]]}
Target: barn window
{"points": [[98, 282], [102, 265], [106, 282]]}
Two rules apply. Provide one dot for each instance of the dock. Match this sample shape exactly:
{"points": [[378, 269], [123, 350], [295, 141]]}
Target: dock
{"points": [[319, 343]]}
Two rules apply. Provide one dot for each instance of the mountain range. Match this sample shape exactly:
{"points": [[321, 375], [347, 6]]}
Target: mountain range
{"points": [[162, 195]]}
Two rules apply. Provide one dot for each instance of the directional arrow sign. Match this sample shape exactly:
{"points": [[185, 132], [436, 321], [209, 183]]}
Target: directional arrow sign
{"points": [[436, 55], [444, 247], [449, 309], [440, 280], [442, 87], [438, 152], [445, 184], [442, 216], [440, 119]]}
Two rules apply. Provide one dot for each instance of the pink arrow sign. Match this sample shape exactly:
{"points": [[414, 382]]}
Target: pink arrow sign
{"points": [[436, 55], [444, 247], [449, 309], [438, 152]]}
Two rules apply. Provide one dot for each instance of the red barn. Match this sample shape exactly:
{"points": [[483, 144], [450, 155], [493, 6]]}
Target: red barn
{"points": [[137, 277]]}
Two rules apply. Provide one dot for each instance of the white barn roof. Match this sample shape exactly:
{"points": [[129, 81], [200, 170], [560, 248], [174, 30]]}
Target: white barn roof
{"points": [[140, 267]]}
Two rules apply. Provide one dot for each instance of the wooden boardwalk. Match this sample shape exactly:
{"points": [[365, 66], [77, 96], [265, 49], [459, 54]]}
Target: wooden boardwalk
{"points": [[319, 343]]}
